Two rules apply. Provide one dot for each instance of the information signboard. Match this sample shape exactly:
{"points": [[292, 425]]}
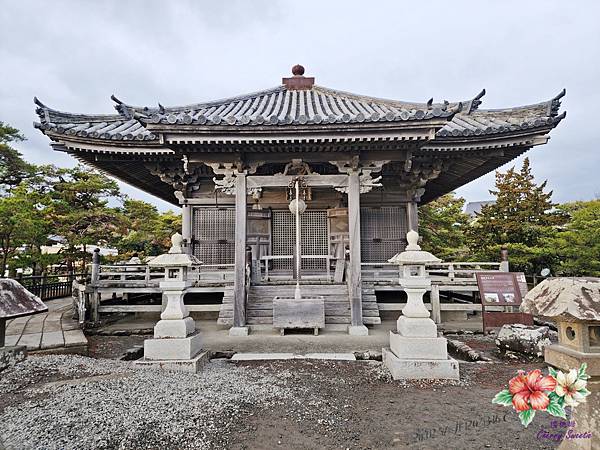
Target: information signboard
{"points": [[499, 289], [502, 289]]}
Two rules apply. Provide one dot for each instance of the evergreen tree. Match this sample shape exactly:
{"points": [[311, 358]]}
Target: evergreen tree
{"points": [[523, 219], [81, 211], [442, 225], [147, 232], [578, 244], [13, 169]]}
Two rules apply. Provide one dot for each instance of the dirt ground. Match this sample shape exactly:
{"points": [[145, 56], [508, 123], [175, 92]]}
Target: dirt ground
{"points": [[375, 413], [355, 405]]}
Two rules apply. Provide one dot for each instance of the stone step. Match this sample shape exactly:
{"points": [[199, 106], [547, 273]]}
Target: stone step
{"points": [[269, 320]]}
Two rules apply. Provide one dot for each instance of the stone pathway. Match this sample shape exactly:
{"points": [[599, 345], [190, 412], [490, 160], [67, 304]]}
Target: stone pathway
{"points": [[52, 330]]}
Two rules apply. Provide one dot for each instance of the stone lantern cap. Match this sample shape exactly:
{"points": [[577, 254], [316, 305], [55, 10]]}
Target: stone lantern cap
{"points": [[413, 255], [572, 299], [16, 301], [176, 257]]}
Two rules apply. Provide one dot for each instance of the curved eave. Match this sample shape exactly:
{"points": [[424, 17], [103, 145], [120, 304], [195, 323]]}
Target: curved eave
{"points": [[133, 173], [465, 170]]}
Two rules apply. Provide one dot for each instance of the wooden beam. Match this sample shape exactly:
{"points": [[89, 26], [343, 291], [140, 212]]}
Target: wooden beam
{"points": [[256, 181], [239, 285], [155, 308], [444, 307], [354, 271]]}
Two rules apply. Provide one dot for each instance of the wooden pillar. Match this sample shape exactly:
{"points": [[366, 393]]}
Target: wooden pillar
{"points": [[354, 272], [412, 214], [186, 226], [239, 287]]}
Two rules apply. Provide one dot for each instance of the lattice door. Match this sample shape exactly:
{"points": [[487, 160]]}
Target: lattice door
{"points": [[383, 232], [214, 234], [314, 238]]}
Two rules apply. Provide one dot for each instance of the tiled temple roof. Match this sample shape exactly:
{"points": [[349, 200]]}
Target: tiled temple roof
{"points": [[105, 127], [288, 106], [499, 121], [281, 106]]}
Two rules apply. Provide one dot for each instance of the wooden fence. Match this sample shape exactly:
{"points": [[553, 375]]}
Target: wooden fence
{"points": [[48, 287]]}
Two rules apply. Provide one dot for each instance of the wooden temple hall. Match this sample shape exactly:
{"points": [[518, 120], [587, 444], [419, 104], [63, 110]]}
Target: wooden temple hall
{"points": [[362, 164]]}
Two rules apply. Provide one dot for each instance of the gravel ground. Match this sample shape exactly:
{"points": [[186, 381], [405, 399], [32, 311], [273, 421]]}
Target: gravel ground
{"points": [[64, 402], [68, 402]]}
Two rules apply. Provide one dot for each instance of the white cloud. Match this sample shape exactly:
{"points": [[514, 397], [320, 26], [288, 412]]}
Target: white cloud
{"points": [[74, 55]]}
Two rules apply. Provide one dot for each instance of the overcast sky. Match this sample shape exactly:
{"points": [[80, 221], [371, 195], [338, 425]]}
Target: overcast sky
{"points": [[74, 54]]}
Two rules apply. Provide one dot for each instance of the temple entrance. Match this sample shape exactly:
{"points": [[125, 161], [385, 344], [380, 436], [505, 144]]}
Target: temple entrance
{"points": [[314, 243]]}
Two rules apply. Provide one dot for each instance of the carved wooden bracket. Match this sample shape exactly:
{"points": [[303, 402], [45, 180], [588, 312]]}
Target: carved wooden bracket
{"points": [[183, 179], [226, 184], [366, 180]]}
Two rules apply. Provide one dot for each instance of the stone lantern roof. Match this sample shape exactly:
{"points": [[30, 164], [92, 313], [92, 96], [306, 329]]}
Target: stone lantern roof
{"points": [[572, 299], [413, 255], [176, 257], [16, 301]]}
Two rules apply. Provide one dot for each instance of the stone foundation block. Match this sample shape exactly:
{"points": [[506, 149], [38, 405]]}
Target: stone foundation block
{"points": [[172, 348], [193, 365], [420, 369], [174, 328], [358, 330], [416, 327], [418, 347], [238, 331]]}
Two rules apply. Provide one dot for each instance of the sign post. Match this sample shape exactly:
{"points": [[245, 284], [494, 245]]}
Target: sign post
{"points": [[502, 289]]}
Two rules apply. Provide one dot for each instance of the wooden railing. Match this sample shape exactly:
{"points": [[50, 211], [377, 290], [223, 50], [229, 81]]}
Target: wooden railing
{"points": [[455, 272], [146, 276], [48, 287], [128, 274], [214, 272], [267, 260]]}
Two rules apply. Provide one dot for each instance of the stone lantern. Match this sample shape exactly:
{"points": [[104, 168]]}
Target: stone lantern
{"points": [[574, 304], [176, 344], [416, 351]]}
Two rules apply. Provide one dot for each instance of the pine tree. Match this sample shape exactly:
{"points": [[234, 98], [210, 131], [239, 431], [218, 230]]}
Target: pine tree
{"points": [[442, 225], [523, 219]]}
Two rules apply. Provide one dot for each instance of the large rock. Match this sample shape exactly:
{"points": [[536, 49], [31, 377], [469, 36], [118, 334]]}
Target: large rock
{"points": [[570, 298], [529, 340]]}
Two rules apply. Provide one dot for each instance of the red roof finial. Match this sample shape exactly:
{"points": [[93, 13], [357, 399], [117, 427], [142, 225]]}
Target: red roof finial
{"points": [[298, 70], [298, 81]]}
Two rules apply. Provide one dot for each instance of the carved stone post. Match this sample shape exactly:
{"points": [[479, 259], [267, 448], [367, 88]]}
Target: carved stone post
{"points": [[95, 296]]}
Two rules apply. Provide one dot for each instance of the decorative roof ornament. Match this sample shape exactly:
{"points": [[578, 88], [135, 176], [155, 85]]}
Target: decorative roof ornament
{"points": [[555, 103], [298, 82]]}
